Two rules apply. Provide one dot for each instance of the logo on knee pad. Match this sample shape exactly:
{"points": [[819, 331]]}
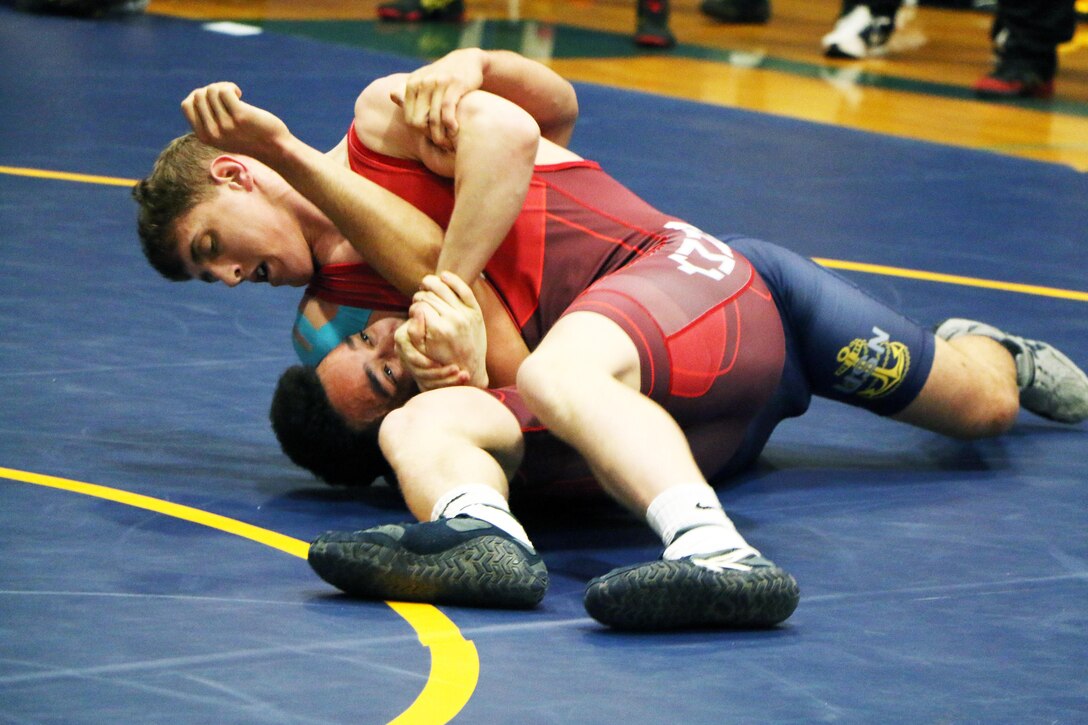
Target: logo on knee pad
{"points": [[872, 368]]}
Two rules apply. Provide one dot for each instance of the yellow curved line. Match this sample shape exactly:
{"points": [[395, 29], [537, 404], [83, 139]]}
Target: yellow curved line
{"points": [[455, 663]]}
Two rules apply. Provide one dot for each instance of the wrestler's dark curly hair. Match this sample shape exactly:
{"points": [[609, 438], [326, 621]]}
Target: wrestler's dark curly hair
{"points": [[316, 437]]}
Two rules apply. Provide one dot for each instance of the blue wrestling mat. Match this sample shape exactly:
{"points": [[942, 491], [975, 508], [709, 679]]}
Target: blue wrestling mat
{"points": [[941, 581]]}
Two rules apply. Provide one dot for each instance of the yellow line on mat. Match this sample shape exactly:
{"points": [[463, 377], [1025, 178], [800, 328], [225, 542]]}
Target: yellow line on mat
{"points": [[66, 176], [833, 263], [1028, 289], [455, 664]]}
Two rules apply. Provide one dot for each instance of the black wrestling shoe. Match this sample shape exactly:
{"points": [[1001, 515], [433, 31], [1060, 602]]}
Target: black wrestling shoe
{"points": [[731, 589], [737, 11], [461, 561]]}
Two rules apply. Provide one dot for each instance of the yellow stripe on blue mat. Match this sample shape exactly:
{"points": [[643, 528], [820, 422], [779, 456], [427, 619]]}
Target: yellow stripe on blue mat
{"points": [[66, 176], [1028, 289], [455, 663]]}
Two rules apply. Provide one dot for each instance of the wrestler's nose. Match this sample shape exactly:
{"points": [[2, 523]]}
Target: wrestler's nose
{"points": [[387, 346], [229, 274]]}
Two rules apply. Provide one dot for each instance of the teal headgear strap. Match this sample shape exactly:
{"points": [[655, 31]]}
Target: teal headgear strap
{"points": [[347, 321]]}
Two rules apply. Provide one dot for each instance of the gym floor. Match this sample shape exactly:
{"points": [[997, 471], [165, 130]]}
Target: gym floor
{"points": [[153, 535]]}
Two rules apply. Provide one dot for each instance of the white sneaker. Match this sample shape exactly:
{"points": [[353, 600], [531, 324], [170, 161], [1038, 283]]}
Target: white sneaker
{"points": [[859, 34], [1051, 385]]}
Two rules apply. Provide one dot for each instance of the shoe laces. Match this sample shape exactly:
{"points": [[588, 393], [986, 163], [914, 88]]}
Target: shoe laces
{"points": [[731, 559]]}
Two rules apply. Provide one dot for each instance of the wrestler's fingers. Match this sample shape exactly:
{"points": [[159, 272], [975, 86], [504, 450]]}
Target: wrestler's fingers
{"points": [[417, 103], [188, 109], [434, 118], [208, 129], [224, 120], [433, 300], [460, 288], [456, 376], [409, 353], [416, 329], [448, 112], [438, 373], [438, 324], [414, 359], [434, 285], [228, 97]]}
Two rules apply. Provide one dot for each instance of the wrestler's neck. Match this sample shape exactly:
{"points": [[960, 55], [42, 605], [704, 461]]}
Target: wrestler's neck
{"points": [[327, 244]]}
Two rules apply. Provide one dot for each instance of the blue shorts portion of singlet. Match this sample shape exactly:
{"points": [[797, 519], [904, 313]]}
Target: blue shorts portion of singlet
{"points": [[841, 343]]}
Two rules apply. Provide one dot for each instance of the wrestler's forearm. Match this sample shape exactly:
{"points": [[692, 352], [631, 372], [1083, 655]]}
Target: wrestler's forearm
{"points": [[506, 349], [496, 152], [548, 97], [394, 237]]}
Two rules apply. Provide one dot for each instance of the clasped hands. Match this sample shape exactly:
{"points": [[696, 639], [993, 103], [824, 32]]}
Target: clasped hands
{"points": [[444, 341]]}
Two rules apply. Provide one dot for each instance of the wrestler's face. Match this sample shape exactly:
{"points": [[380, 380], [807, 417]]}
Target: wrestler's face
{"points": [[363, 376], [241, 235]]}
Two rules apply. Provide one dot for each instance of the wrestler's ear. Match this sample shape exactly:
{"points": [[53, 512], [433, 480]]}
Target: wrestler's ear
{"points": [[231, 170]]}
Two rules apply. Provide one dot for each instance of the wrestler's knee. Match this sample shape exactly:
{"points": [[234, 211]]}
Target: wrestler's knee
{"points": [[979, 409], [544, 382], [992, 412], [395, 434], [987, 403]]}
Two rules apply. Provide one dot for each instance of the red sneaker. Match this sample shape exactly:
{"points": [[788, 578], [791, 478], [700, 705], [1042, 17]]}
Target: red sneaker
{"points": [[1018, 77], [653, 25], [413, 11]]}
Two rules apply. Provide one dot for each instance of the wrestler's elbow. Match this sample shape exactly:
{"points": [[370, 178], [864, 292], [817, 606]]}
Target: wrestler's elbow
{"points": [[500, 123]]}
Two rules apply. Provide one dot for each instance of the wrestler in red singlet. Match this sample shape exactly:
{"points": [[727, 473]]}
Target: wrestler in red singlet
{"points": [[577, 224], [585, 242]]}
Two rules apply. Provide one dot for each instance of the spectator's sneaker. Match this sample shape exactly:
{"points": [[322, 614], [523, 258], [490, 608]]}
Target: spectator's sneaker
{"points": [[859, 34], [412, 11], [1019, 76], [735, 588], [737, 11], [460, 561], [1051, 385], [653, 25]]}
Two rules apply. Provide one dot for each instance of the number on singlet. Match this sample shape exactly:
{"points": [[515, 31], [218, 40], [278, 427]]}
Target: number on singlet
{"points": [[701, 253]]}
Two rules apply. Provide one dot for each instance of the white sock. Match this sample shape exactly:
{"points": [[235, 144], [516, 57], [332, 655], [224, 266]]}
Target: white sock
{"points": [[690, 521], [481, 502]]}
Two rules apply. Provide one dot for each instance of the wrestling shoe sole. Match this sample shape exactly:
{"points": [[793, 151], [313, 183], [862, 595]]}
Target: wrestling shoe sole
{"points": [[662, 595], [486, 571]]}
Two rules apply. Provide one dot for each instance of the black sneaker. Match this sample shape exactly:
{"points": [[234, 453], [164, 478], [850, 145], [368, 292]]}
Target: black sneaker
{"points": [[737, 11], [1019, 76], [412, 11], [733, 589], [653, 25], [461, 561]]}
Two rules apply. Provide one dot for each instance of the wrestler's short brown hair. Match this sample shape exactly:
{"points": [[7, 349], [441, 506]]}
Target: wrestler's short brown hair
{"points": [[180, 179]]}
